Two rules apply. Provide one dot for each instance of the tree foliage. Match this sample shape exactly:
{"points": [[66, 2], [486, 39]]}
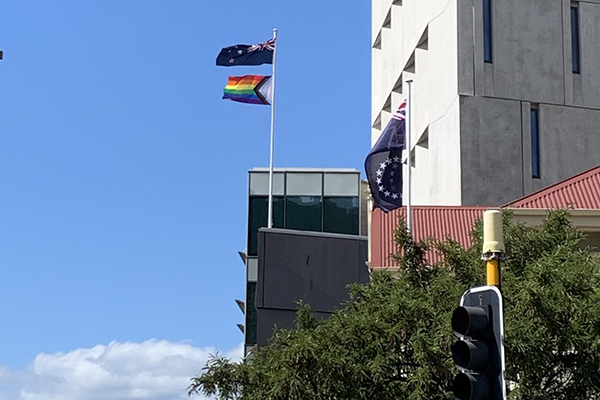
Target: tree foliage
{"points": [[392, 340]]}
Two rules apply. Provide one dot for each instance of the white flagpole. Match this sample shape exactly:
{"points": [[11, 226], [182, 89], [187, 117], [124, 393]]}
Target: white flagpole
{"points": [[408, 157], [270, 217]]}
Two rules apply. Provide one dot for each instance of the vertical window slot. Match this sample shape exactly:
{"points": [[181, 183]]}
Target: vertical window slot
{"points": [[487, 31], [535, 143], [575, 43]]}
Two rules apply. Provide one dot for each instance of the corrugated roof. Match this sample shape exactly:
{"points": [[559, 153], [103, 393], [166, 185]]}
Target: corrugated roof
{"points": [[427, 222], [581, 191]]}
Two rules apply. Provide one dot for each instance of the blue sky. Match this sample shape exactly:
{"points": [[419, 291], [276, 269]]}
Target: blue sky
{"points": [[123, 174]]}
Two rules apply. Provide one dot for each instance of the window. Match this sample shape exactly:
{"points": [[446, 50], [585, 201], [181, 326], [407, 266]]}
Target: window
{"points": [[340, 215], [341, 185], [259, 183], [304, 184], [258, 210], [575, 48], [535, 143], [304, 213], [487, 31]]}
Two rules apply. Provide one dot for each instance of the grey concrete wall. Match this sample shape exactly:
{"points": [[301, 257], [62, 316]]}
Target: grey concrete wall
{"points": [[531, 44], [496, 147], [569, 143], [491, 151], [531, 64], [527, 52], [586, 86]]}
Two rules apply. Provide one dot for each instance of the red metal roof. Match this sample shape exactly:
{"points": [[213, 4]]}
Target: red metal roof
{"points": [[581, 191], [427, 222]]}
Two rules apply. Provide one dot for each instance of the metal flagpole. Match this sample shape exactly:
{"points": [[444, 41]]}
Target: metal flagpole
{"points": [[408, 157], [270, 217]]}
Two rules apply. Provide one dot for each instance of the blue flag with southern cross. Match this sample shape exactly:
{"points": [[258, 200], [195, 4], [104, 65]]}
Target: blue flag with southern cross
{"points": [[384, 163], [245, 54]]}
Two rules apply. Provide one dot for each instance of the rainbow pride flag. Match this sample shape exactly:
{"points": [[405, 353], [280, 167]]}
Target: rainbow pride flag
{"points": [[252, 89]]}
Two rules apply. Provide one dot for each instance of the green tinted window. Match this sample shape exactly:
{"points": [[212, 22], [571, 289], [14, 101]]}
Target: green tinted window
{"points": [[340, 215], [258, 209], [304, 213], [251, 319]]}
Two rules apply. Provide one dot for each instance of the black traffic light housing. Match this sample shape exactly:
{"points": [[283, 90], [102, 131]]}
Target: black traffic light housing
{"points": [[479, 352]]}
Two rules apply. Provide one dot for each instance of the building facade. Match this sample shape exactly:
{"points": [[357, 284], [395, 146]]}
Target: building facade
{"points": [[304, 199], [314, 268], [506, 94]]}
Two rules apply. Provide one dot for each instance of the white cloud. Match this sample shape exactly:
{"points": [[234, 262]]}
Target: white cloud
{"points": [[152, 370]]}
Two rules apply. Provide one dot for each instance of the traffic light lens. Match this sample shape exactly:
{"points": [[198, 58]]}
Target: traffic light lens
{"points": [[461, 354], [470, 321], [471, 355], [460, 321], [470, 387]]}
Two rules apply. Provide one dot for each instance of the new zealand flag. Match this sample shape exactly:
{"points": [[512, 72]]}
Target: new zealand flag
{"points": [[384, 163], [245, 54]]}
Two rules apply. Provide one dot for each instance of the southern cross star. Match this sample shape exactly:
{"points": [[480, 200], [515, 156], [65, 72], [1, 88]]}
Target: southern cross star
{"points": [[393, 162]]}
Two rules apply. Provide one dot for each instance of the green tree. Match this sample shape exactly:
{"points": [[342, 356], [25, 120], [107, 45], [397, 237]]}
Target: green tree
{"points": [[392, 340]]}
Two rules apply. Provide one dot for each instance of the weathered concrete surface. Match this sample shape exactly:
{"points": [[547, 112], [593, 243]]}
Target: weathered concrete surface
{"points": [[491, 156]]}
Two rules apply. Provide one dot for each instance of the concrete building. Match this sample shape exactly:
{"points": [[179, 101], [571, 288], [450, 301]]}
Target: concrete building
{"points": [[506, 94], [328, 202]]}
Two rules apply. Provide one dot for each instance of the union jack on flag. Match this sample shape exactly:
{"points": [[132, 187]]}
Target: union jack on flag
{"points": [[268, 45], [246, 54], [400, 113]]}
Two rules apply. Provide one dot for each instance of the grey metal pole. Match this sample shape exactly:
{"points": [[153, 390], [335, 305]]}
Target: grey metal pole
{"points": [[270, 216], [408, 158]]}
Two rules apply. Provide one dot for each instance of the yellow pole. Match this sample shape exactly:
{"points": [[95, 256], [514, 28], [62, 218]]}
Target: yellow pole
{"points": [[493, 272]]}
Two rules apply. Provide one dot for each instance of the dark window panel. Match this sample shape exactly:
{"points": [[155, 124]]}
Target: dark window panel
{"points": [[340, 215], [258, 210], [535, 143], [304, 213], [487, 31], [575, 47]]}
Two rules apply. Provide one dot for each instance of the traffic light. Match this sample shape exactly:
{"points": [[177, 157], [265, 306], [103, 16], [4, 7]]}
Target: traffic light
{"points": [[479, 352]]}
